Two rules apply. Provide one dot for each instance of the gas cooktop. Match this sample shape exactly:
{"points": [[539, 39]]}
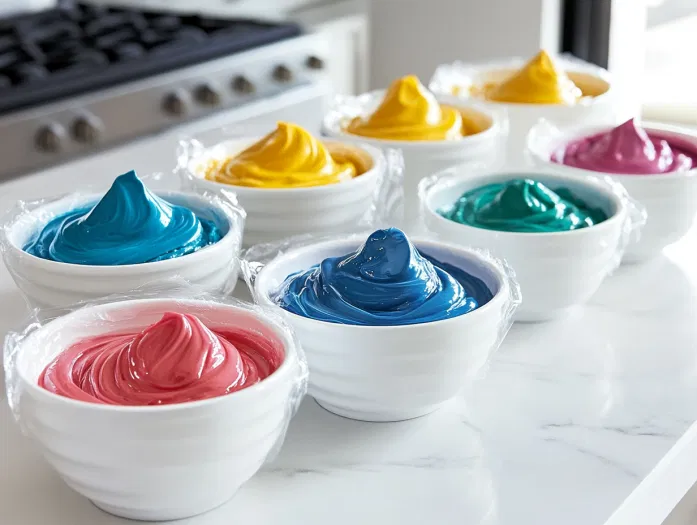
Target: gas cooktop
{"points": [[77, 48]]}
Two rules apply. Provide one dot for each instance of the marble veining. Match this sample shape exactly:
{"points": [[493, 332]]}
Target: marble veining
{"points": [[568, 419]]}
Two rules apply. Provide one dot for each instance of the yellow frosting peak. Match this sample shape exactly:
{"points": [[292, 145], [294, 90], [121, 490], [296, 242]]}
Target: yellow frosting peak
{"points": [[537, 82], [409, 111], [288, 157]]}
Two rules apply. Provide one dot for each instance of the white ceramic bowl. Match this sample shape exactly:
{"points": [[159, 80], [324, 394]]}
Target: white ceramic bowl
{"points": [[278, 213], [670, 199], [602, 109], [154, 462], [393, 373], [556, 271], [57, 284], [421, 158]]}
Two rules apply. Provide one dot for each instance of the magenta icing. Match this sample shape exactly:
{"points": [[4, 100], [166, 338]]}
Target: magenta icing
{"points": [[629, 149]]}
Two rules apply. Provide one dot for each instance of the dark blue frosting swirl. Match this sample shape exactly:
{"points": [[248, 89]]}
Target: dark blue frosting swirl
{"points": [[385, 282], [129, 225]]}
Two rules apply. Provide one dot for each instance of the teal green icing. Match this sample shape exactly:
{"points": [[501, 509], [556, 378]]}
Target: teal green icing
{"points": [[522, 205]]}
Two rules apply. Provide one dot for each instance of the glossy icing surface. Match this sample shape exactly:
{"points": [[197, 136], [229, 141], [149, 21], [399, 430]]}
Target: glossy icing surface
{"points": [[129, 225], [410, 112], [175, 360], [288, 157], [523, 205], [629, 149], [385, 282]]}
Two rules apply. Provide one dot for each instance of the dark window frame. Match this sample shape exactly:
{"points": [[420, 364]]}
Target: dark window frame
{"points": [[586, 30]]}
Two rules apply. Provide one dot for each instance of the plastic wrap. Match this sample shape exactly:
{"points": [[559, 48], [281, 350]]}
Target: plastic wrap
{"points": [[422, 158], [670, 198], [175, 460], [388, 373], [276, 213], [47, 283], [558, 270], [462, 80]]}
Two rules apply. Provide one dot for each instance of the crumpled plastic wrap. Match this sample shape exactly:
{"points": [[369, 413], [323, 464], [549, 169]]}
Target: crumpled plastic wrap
{"points": [[213, 269], [423, 158], [463, 78], [276, 213], [173, 460], [670, 199], [378, 373], [462, 81], [555, 270]]}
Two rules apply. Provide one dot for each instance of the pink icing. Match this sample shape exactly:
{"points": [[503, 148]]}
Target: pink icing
{"points": [[628, 149], [175, 360]]}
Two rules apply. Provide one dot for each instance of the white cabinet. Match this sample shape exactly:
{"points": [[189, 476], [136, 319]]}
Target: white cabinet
{"points": [[345, 25]]}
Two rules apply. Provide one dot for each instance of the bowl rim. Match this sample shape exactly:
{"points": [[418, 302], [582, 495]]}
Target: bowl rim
{"points": [[482, 178], [125, 269], [515, 63], [376, 155], [540, 154], [290, 358], [499, 124], [350, 243]]}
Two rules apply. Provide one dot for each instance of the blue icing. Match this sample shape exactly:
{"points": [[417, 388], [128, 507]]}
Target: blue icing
{"points": [[385, 282], [129, 225]]}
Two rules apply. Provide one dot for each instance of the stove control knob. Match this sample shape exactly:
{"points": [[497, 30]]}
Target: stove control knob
{"points": [[48, 139], [207, 96], [86, 130], [242, 85], [175, 105], [282, 74], [314, 62]]}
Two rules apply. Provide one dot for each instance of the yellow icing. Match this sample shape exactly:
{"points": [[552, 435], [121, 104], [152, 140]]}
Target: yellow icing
{"points": [[537, 82], [288, 157], [409, 111]]}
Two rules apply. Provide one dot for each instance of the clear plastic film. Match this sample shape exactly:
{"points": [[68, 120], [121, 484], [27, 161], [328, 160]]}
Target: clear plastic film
{"points": [[470, 81], [424, 157], [546, 140], [274, 213], [467, 79], [556, 271], [353, 366], [476, 147], [670, 198], [187, 349], [47, 283]]}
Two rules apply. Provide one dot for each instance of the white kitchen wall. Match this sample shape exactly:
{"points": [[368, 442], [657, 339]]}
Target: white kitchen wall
{"points": [[414, 36]]}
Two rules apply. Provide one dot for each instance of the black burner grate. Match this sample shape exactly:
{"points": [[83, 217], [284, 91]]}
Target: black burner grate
{"points": [[77, 48]]}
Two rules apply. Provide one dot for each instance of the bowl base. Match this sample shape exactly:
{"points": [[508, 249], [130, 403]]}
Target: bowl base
{"points": [[155, 515], [390, 416]]}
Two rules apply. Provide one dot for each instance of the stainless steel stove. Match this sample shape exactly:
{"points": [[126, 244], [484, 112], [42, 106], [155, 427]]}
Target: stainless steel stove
{"points": [[80, 78]]}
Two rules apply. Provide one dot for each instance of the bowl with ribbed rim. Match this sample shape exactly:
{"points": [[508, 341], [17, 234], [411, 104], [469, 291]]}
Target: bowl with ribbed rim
{"points": [[155, 462], [393, 373], [46, 283], [277, 213], [670, 199], [424, 157], [557, 271]]}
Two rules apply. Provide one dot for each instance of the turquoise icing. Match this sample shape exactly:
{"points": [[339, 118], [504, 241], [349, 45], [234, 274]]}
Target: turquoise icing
{"points": [[129, 225]]}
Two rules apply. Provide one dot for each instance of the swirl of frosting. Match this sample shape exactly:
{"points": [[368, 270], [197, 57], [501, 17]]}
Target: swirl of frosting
{"points": [[537, 82], [385, 282], [129, 225], [627, 149], [288, 157], [522, 205], [175, 360], [409, 111]]}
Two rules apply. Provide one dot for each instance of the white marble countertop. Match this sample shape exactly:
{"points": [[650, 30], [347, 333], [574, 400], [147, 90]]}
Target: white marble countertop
{"points": [[570, 417]]}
